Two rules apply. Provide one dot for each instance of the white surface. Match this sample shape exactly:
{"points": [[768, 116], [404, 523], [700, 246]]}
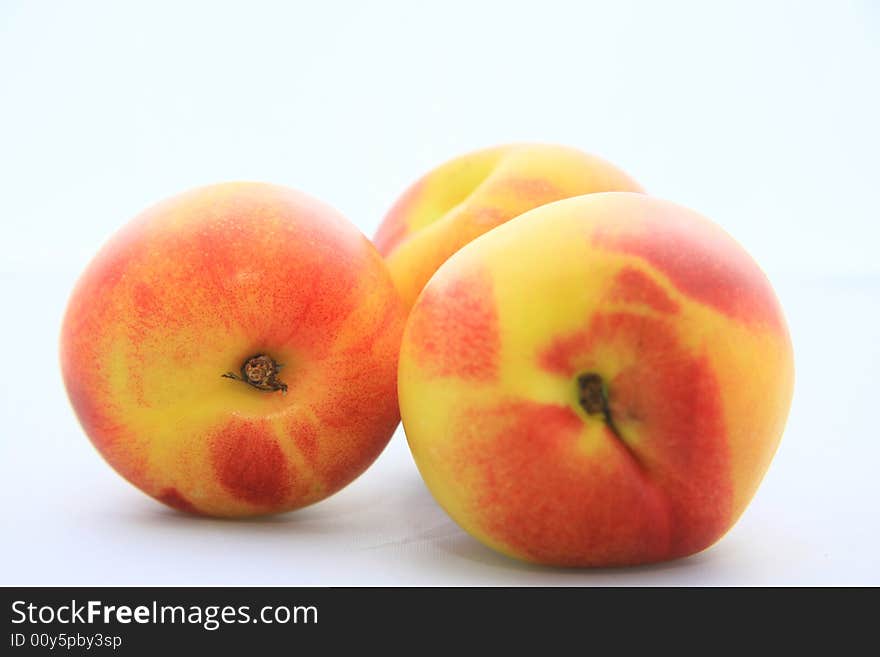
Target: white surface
{"points": [[761, 116]]}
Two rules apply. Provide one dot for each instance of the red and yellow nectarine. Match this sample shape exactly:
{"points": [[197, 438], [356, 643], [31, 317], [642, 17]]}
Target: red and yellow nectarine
{"points": [[600, 381], [232, 282], [473, 193]]}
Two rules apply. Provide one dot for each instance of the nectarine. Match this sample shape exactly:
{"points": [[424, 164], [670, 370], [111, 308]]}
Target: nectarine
{"points": [[600, 381], [467, 196], [233, 351]]}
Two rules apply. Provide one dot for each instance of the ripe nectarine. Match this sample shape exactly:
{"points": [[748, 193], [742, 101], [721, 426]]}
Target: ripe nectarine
{"points": [[473, 193], [600, 381], [233, 351]]}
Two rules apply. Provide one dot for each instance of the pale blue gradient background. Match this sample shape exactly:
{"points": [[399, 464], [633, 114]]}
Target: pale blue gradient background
{"points": [[761, 115]]}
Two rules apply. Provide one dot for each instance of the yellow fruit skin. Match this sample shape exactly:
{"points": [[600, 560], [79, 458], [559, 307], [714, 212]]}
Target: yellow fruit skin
{"points": [[681, 326], [465, 197]]}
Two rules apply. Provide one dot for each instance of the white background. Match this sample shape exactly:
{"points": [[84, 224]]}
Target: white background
{"points": [[761, 115]]}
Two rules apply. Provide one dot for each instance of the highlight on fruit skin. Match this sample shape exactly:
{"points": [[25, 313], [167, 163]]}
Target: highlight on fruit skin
{"points": [[465, 197], [602, 381], [232, 351]]}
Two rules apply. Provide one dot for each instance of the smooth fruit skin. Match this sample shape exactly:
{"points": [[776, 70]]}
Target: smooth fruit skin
{"points": [[678, 322], [468, 196], [192, 288]]}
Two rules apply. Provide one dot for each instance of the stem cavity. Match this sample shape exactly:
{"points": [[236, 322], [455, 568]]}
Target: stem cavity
{"points": [[593, 398], [260, 372]]}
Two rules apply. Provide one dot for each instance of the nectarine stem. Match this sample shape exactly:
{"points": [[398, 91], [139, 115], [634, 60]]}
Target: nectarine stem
{"points": [[593, 398], [261, 372]]}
